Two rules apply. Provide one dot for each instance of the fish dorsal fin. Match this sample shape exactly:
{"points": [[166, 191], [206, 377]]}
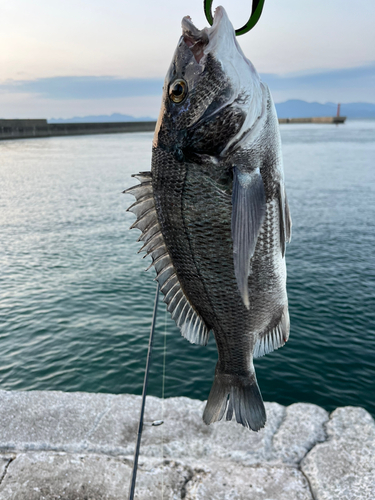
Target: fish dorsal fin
{"points": [[191, 324], [273, 338]]}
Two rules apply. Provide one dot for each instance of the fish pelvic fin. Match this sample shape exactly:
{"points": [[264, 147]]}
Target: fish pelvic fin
{"points": [[237, 395], [274, 337]]}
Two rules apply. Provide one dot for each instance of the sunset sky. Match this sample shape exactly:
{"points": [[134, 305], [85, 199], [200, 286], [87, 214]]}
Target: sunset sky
{"points": [[86, 57]]}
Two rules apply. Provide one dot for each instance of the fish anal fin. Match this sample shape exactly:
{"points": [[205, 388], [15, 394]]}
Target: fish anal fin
{"points": [[273, 338], [248, 212]]}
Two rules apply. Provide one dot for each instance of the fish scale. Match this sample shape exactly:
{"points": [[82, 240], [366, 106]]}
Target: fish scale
{"points": [[170, 215]]}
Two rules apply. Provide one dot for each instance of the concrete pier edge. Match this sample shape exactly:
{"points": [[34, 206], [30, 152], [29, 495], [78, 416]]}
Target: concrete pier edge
{"points": [[80, 446]]}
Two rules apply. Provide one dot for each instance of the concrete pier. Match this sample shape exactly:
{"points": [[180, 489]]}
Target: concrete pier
{"points": [[80, 446]]}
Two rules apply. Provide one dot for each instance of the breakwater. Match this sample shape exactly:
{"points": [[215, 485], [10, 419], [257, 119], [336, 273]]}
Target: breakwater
{"points": [[26, 129], [316, 119]]}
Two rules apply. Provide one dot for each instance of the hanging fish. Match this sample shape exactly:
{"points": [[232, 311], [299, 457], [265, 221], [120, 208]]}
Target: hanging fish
{"points": [[214, 214]]}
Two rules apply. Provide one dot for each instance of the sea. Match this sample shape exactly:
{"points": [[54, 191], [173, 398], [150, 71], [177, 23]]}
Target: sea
{"points": [[76, 303]]}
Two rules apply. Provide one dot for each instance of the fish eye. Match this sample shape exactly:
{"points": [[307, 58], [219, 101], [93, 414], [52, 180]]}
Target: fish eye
{"points": [[178, 91]]}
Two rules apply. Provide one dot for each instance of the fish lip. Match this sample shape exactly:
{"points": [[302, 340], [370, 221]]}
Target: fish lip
{"points": [[218, 17], [189, 28], [195, 39], [199, 41]]}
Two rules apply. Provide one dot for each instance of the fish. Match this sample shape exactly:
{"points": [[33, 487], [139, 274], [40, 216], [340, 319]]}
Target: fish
{"points": [[214, 214]]}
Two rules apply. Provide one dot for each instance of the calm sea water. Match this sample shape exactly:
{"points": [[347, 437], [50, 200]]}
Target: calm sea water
{"points": [[76, 304]]}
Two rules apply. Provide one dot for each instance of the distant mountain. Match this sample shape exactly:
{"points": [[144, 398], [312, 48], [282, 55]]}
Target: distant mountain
{"points": [[114, 117], [293, 108], [301, 109]]}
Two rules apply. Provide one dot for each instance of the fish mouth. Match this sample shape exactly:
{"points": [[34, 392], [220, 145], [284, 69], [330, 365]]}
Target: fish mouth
{"points": [[199, 40]]}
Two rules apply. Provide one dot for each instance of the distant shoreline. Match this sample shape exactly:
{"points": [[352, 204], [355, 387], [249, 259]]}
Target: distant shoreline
{"points": [[27, 129]]}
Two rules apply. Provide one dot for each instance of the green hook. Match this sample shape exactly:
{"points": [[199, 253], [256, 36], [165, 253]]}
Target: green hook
{"points": [[256, 12]]}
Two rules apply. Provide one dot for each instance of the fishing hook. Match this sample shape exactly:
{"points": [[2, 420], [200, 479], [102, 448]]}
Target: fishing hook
{"points": [[256, 12]]}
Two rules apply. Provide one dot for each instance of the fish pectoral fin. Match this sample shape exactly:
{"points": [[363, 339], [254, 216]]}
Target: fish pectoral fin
{"points": [[274, 337], [248, 212], [285, 220], [288, 221]]}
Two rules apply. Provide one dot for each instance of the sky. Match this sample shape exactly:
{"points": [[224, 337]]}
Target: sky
{"points": [[88, 57]]}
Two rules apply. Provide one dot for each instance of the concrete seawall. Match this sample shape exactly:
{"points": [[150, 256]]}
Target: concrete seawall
{"points": [[26, 129], [80, 446]]}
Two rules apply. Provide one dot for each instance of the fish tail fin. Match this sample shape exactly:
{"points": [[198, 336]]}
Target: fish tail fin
{"points": [[238, 394]]}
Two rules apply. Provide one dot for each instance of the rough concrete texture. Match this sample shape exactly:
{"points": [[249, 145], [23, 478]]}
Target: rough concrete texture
{"points": [[77, 446], [44, 475], [343, 467], [226, 480], [302, 428]]}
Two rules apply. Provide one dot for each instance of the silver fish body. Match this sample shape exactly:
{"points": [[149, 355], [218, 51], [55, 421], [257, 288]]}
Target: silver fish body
{"points": [[214, 215]]}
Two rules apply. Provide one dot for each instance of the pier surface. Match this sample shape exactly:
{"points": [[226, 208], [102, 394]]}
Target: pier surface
{"points": [[80, 446], [26, 129]]}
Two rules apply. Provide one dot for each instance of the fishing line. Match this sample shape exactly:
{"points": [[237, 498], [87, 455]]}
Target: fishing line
{"points": [[162, 403], [144, 391]]}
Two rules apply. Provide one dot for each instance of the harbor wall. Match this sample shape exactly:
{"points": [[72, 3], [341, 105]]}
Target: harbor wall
{"points": [[26, 129]]}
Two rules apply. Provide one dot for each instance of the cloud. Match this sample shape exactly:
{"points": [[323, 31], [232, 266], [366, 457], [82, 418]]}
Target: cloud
{"points": [[361, 76], [84, 87], [343, 84]]}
